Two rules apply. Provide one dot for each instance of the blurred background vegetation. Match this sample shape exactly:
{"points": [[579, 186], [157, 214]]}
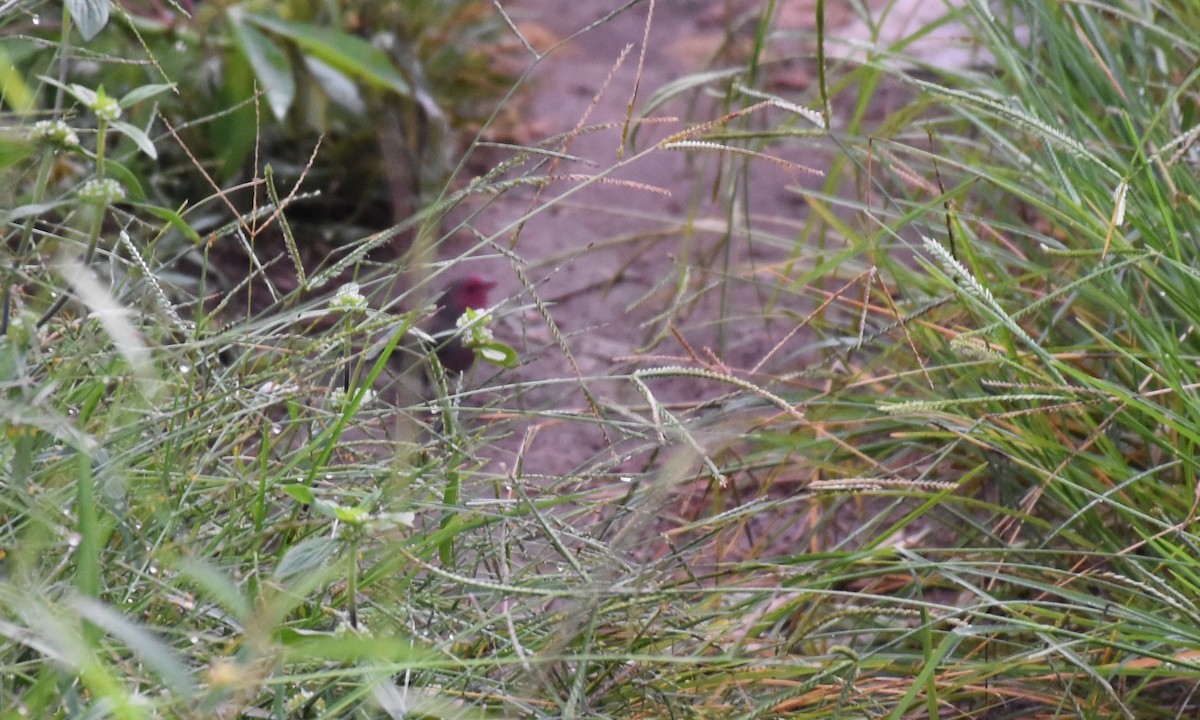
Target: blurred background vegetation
{"points": [[363, 108]]}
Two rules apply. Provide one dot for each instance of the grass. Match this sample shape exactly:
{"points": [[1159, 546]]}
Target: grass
{"points": [[964, 487]]}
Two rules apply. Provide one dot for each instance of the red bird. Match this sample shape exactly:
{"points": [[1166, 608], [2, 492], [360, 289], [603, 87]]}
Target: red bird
{"points": [[469, 292]]}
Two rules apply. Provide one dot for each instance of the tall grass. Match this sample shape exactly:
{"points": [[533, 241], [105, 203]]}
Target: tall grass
{"points": [[962, 483]]}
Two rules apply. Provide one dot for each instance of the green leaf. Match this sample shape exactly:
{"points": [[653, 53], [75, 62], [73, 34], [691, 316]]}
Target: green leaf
{"points": [[342, 91], [352, 516], [234, 133], [359, 514], [144, 92], [133, 186], [147, 647], [217, 586], [12, 357], [302, 493], [350, 648], [134, 133], [85, 95], [31, 210], [269, 62], [90, 15], [14, 149], [497, 353], [175, 220], [345, 52], [305, 557], [13, 88]]}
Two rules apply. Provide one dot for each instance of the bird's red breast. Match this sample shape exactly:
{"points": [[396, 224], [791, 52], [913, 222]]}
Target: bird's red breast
{"points": [[468, 292]]}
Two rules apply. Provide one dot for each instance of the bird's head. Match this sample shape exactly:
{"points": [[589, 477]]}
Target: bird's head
{"points": [[469, 292]]}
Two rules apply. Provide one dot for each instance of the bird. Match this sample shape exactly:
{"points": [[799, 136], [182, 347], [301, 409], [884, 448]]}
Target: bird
{"points": [[468, 292], [438, 336]]}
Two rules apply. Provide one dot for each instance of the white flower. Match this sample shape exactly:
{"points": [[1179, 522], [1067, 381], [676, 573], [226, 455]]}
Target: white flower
{"points": [[348, 299]]}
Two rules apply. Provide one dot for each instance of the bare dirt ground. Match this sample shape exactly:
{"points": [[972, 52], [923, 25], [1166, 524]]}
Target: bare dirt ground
{"points": [[685, 264]]}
